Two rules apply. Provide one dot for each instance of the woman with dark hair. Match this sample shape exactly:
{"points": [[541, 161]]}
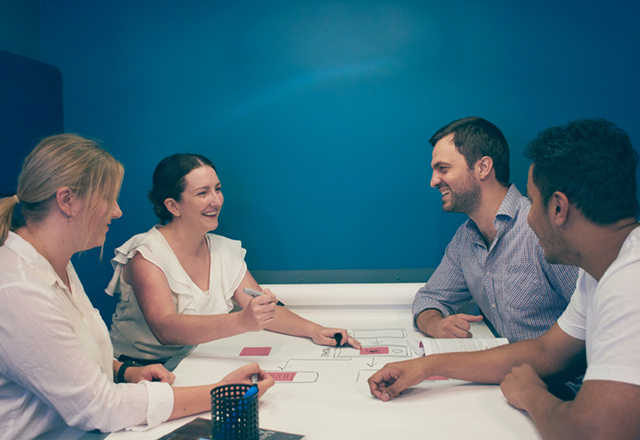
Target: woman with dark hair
{"points": [[57, 371], [177, 281]]}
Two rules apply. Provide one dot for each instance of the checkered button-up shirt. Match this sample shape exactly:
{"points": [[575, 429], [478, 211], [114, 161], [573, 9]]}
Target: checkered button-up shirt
{"points": [[518, 291]]}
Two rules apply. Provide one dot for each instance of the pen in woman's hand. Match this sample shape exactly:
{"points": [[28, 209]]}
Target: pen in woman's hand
{"points": [[255, 293]]}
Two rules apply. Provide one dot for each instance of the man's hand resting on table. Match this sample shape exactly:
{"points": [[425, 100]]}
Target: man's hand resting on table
{"points": [[396, 377], [432, 323]]}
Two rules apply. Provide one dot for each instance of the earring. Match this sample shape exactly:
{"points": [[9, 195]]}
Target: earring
{"points": [[70, 217]]}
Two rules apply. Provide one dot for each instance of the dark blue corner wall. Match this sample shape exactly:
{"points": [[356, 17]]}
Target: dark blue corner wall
{"points": [[317, 113], [30, 109]]}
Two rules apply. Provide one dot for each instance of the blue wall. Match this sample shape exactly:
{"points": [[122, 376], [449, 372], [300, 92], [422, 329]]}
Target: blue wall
{"points": [[30, 109], [20, 27], [317, 113]]}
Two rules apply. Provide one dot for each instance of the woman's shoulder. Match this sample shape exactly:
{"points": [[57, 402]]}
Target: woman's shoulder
{"points": [[152, 239], [22, 264], [153, 235]]}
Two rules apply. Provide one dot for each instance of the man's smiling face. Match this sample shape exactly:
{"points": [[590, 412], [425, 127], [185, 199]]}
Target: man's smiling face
{"points": [[453, 178]]}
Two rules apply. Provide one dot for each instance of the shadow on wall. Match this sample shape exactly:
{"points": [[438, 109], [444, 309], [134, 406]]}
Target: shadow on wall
{"points": [[30, 109]]}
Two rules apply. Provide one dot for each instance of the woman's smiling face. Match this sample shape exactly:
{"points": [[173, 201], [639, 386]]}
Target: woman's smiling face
{"points": [[201, 200]]}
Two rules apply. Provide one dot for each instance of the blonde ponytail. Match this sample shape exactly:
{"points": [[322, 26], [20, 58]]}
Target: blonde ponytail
{"points": [[7, 205]]}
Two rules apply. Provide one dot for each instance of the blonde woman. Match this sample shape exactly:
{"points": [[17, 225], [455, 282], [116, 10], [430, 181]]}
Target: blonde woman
{"points": [[177, 281], [56, 359]]}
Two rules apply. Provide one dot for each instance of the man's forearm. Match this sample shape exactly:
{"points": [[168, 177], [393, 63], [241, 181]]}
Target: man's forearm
{"points": [[426, 319], [550, 414]]}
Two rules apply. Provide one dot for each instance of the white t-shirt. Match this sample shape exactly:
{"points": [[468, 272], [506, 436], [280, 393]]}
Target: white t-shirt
{"points": [[130, 333], [56, 359], [606, 315]]}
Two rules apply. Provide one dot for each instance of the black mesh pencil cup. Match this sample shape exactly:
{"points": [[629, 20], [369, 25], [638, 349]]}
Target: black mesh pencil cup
{"points": [[234, 416]]}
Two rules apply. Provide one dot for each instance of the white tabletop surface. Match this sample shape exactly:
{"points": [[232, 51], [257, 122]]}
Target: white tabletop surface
{"points": [[330, 398]]}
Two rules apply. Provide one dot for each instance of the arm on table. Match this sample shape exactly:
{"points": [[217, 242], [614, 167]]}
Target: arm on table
{"points": [[289, 323], [445, 291], [601, 410], [151, 372], [194, 400], [171, 328], [433, 323], [549, 355]]}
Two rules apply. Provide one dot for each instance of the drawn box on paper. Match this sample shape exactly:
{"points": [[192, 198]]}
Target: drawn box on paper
{"points": [[387, 350]]}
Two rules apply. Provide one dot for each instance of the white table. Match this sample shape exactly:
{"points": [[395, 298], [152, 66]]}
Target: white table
{"points": [[331, 399]]}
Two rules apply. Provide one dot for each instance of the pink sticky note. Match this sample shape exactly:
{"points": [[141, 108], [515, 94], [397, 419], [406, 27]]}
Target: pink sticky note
{"points": [[283, 377], [374, 350], [437, 378], [255, 351]]}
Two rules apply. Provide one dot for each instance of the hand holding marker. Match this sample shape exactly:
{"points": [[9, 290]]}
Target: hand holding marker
{"points": [[254, 387], [337, 336], [255, 293]]}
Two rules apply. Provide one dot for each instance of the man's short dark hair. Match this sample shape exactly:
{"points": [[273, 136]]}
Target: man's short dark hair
{"points": [[475, 138], [593, 163]]}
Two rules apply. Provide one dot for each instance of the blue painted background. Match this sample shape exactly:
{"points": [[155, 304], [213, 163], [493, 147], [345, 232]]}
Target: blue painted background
{"points": [[317, 113]]}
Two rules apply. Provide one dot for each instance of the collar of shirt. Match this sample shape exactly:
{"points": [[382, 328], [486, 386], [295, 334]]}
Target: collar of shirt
{"points": [[506, 214], [37, 262], [508, 208]]}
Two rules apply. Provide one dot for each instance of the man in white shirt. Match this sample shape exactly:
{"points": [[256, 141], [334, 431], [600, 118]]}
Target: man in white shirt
{"points": [[582, 186]]}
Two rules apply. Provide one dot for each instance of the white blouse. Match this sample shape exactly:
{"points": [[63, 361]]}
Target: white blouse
{"points": [[56, 359], [130, 333]]}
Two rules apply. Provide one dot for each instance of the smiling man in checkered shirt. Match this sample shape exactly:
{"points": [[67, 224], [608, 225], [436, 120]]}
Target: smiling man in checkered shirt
{"points": [[494, 258]]}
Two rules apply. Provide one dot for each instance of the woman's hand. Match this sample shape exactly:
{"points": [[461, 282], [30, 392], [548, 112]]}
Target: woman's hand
{"points": [[259, 312], [327, 336], [243, 375], [150, 372]]}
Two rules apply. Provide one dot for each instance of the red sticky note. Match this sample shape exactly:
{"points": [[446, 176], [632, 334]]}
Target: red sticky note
{"points": [[282, 376], [374, 350], [255, 351], [437, 378]]}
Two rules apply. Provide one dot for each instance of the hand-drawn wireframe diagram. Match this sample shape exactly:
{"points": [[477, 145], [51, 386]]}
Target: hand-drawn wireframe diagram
{"points": [[292, 363], [294, 376], [387, 350], [386, 342], [377, 342], [393, 333], [364, 375]]}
